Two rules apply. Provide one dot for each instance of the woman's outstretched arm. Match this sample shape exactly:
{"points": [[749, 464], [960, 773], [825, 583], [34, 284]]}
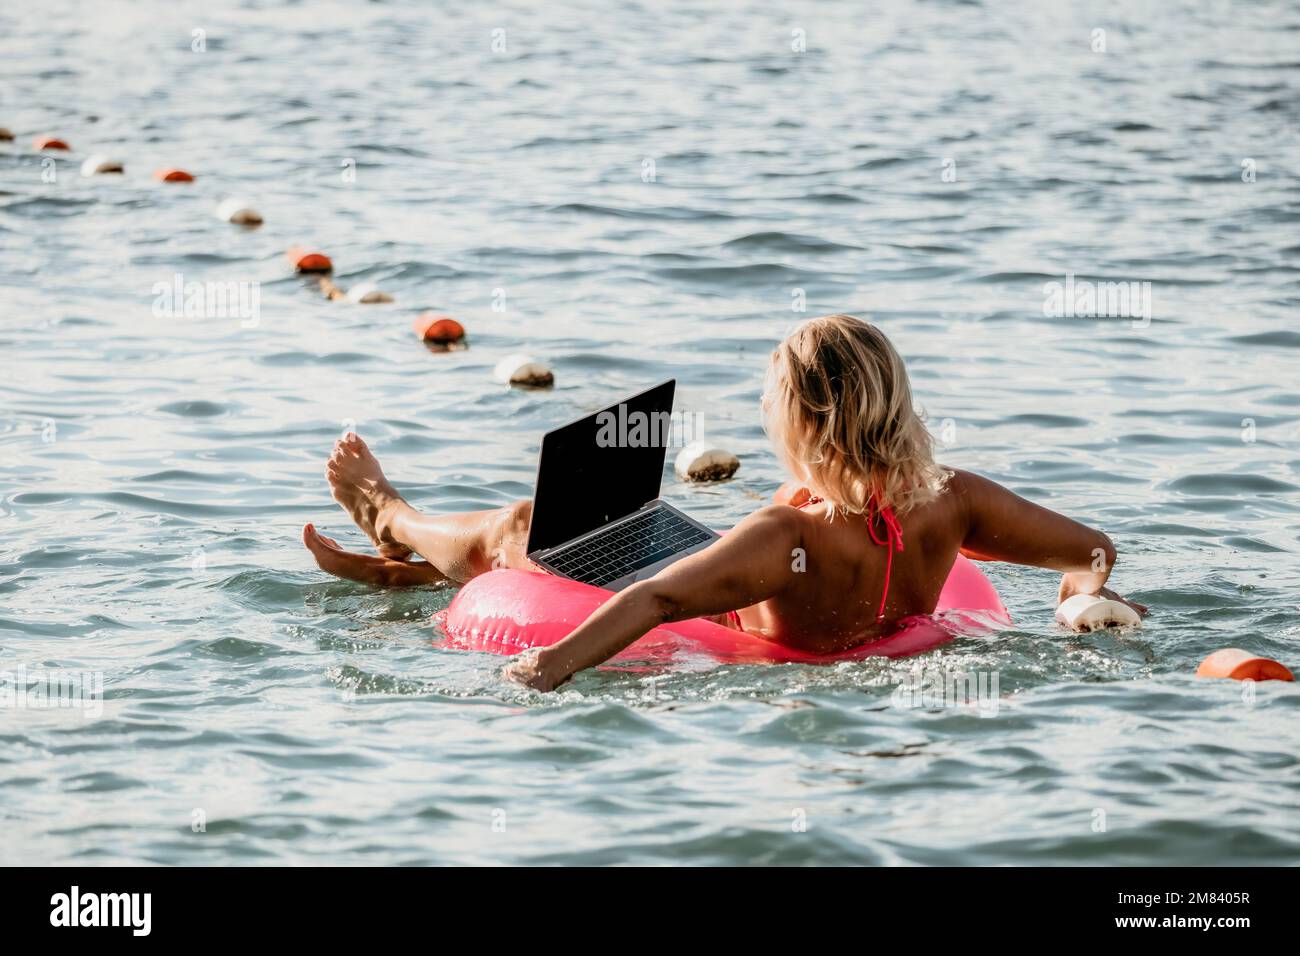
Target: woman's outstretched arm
{"points": [[1002, 526], [749, 564]]}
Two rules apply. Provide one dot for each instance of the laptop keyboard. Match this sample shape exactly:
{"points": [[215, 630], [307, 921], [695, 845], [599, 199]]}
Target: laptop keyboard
{"points": [[649, 537]]}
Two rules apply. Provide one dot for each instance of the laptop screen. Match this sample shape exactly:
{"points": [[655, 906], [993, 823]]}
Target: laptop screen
{"points": [[601, 467]]}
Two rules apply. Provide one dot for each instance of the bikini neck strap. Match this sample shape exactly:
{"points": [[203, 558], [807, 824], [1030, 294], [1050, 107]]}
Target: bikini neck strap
{"points": [[893, 540]]}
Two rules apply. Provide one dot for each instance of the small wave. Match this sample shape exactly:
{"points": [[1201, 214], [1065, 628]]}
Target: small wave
{"points": [[1281, 338], [1228, 484], [297, 358], [788, 242], [195, 409], [656, 212]]}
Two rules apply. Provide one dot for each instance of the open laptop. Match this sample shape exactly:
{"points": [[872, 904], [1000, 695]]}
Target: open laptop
{"points": [[597, 517]]}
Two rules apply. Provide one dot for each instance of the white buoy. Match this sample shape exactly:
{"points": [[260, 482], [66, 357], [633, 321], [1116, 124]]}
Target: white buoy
{"points": [[238, 212], [99, 163], [5, 135], [704, 461], [1087, 612], [367, 294], [520, 369]]}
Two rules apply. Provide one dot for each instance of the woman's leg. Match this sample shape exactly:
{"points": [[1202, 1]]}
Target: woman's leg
{"points": [[458, 546], [463, 546], [369, 568]]}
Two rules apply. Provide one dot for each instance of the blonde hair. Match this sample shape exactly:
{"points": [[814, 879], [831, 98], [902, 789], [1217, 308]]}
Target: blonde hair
{"points": [[838, 407]]}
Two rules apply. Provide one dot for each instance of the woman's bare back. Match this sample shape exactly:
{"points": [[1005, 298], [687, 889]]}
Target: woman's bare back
{"points": [[834, 594]]}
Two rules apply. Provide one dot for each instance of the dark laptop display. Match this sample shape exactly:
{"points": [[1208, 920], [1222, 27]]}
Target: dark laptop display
{"points": [[582, 486], [597, 516]]}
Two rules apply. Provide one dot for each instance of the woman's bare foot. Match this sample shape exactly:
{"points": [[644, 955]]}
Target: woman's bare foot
{"points": [[359, 485], [366, 568]]}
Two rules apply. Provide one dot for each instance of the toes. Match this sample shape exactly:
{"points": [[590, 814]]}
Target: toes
{"points": [[310, 537], [348, 447], [317, 542]]}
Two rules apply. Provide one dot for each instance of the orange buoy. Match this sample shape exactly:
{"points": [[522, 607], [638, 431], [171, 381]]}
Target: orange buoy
{"points": [[304, 261], [438, 328], [1235, 664], [792, 493], [170, 174], [49, 142]]}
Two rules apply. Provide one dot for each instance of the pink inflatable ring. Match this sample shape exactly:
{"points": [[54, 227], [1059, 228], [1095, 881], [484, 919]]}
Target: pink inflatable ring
{"points": [[507, 611]]}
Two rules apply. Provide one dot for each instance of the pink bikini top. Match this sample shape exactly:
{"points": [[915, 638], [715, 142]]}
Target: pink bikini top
{"points": [[893, 540]]}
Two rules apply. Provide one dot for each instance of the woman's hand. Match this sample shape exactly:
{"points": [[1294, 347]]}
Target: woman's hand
{"points": [[1079, 582], [529, 669], [1083, 583], [1110, 595]]}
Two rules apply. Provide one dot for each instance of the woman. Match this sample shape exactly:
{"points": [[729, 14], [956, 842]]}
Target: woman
{"points": [[871, 543]]}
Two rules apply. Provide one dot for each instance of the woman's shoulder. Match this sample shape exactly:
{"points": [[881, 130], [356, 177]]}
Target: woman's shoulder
{"points": [[967, 494], [952, 499], [959, 485], [968, 487], [777, 518], [955, 479]]}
